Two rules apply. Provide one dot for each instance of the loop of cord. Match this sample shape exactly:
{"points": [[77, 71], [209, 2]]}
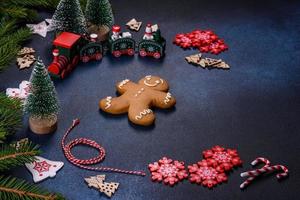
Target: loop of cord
{"points": [[84, 163]]}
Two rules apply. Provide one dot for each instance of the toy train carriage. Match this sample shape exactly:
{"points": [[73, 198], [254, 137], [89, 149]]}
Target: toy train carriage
{"points": [[92, 50], [122, 46], [154, 48], [69, 49]]}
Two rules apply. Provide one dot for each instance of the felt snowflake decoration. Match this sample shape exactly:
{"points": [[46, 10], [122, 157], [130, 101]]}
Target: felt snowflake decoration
{"points": [[206, 174], [40, 28], [168, 171], [224, 158], [43, 168], [205, 40]]}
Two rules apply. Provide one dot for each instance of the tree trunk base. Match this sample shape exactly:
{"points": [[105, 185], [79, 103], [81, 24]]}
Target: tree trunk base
{"points": [[101, 31], [42, 126]]}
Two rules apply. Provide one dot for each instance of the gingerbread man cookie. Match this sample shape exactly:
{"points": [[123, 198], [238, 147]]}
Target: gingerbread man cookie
{"points": [[138, 98]]}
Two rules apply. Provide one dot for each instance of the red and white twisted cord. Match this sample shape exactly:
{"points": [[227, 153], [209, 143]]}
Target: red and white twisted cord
{"points": [[83, 163], [257, 172]]}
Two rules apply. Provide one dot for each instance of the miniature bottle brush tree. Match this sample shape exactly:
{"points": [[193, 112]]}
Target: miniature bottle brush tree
{"points": [[69, 17], [42, 102], [99, 17]]}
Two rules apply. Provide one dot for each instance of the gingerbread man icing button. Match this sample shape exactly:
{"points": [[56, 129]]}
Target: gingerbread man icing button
{"points": [[138, 98]]}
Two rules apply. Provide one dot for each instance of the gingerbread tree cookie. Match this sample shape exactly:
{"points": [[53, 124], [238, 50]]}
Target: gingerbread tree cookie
{"points": [[138, 98]]}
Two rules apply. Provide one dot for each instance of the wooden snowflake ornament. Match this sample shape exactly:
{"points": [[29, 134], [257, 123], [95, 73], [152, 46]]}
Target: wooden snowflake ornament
{"points": [[224, 158], [168, 171], [206, 174], [25, 57], [25, 51], [98, 182]]}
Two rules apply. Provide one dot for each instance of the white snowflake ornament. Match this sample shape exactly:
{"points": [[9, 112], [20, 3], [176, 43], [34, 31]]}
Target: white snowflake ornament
{"points": [[43, 168], [40, 28]]}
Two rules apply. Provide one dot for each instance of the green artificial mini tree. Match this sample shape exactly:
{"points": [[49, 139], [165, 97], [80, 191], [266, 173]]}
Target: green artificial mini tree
{"points": [[69, 17], [10, 116], [42, 102], [92, 12], [99, 12]]}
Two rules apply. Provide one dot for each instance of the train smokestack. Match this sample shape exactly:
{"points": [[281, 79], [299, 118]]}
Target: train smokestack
{"points": [[55, 55], [93, 37]]}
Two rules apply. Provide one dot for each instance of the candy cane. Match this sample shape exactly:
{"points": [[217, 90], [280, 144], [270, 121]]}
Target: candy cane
{"points": [[254, 173], [253, 163], [266, 169]]}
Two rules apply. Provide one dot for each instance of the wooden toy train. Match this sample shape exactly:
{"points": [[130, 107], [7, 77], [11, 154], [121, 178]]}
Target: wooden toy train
{"points": [[70, 48]]}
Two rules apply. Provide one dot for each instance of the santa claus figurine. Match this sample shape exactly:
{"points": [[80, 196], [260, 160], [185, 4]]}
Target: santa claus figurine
{"points": [[116, 32], [148, 33]]}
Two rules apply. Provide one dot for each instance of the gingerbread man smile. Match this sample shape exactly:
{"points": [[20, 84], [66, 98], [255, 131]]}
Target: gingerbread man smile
{"points": [[156, 82]]}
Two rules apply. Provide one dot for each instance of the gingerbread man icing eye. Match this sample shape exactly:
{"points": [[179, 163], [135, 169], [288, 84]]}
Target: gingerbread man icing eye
{"points": [[149, 81]]}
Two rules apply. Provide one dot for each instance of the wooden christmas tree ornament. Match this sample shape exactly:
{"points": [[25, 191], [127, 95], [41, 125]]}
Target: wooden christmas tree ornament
{"points": [[98, 182], [198, 60]]}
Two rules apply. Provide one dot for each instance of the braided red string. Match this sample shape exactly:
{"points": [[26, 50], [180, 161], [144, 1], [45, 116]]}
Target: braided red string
{"points": [[83, 163]]}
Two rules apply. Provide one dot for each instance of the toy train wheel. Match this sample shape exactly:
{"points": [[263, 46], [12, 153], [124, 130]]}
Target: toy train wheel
{"points": [[143, 53], [117, 54], [63, 74], [75, 61], [98, 56], [70, 67], [130, 52], [85, 59], [156, 55]]}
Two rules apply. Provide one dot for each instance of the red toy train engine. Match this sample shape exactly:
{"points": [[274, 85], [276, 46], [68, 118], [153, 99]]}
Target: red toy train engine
{"points": [[69, 49]]}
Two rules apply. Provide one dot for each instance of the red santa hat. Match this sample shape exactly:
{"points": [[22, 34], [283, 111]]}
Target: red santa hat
{"points": [[116, 29]]}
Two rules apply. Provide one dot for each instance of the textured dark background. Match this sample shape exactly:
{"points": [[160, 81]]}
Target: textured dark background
{"points": [[253, 107]]}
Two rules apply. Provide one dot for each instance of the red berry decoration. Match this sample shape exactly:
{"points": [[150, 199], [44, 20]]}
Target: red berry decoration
{"points": [[221, 157], [205, 40], [168, 171], [206, 174]]}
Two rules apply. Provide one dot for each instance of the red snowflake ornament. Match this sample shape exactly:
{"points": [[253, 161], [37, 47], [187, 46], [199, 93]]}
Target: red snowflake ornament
{"points": [[168, 171], [183, 41], [206, 174], [205, 40], [221, 157]]}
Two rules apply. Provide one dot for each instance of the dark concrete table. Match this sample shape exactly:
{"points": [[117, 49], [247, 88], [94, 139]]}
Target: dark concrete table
{"points": [[253, 107]]}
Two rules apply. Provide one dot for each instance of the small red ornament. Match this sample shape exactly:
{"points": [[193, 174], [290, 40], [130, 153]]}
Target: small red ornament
{"points": [[206, 174], [224, 158], [168, 171]]}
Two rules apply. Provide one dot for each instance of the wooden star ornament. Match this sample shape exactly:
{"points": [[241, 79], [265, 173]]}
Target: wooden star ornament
{"points": [[40, 28]]}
